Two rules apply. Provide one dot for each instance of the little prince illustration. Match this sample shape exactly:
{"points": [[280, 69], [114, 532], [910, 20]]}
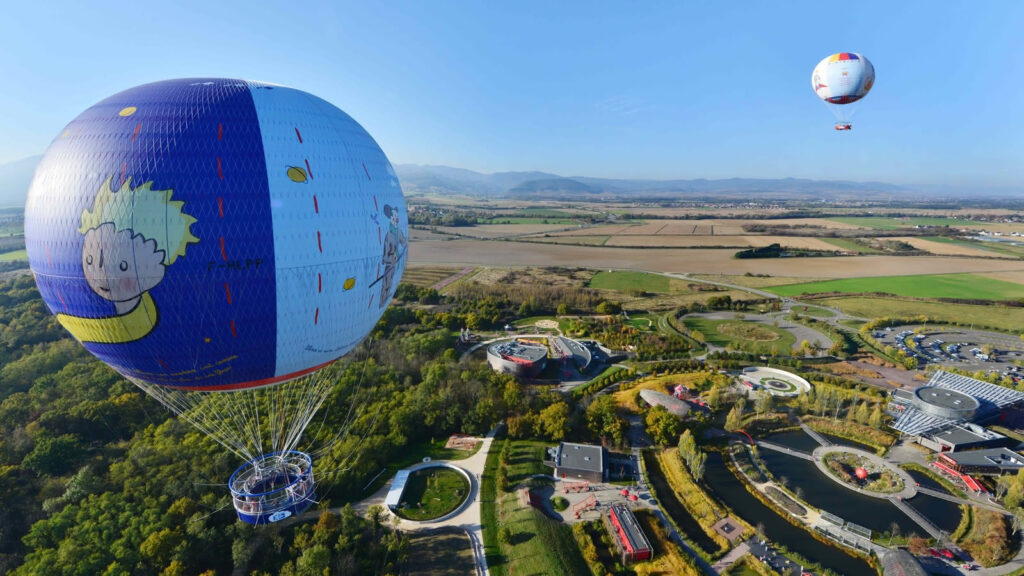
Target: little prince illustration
{"points": [[131, 236]]}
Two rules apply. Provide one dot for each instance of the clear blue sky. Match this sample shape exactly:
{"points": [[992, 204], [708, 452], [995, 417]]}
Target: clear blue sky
{"points": [[615, 89]]}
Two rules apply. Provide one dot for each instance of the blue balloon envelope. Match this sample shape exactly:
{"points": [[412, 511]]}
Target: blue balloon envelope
{"points": [[216, 234]]}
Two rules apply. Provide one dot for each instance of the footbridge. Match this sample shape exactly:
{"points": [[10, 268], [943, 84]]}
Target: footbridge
{"points": [[921, 521], [817, 437], [785, 450], [958, 500]]}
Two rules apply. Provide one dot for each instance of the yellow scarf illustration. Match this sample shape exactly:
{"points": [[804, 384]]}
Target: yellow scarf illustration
{"points": [[128, 327]]}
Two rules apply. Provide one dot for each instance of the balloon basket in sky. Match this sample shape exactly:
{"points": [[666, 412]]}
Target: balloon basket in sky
{"points": [[273, 487], [840, 80], [219, 242]]}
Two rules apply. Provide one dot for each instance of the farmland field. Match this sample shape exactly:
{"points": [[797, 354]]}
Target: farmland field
{"points": [[925, 286], [946, 248], [444, 552], [995, 317], [426, 276], [882, 223], [847, 244], [14, 256], [994, 247], [469, 252]]}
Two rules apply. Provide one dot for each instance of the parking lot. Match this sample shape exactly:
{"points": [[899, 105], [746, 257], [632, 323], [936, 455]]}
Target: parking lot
{"points": [[960, 348]]}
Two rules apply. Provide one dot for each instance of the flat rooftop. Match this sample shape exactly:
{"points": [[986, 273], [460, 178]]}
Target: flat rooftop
{"points": [[519, 350], [1003, 458], [965, 434], [578, 456], [630, 528], [946, 398]]}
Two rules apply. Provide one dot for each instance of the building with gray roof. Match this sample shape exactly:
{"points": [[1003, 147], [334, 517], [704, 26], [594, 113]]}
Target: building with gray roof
{"points": [[992, 462], [946, 400], [573, 461]]}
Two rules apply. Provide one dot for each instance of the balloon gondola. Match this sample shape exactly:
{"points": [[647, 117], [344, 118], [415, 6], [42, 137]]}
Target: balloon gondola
{"points": [[219, 242]]}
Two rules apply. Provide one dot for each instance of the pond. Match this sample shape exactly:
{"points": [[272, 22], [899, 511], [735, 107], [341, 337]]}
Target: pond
{"points": [[730, 490]]}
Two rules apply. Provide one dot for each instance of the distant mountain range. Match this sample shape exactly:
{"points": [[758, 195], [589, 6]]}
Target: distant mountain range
{"points": [[15, 178], [417, 179]]}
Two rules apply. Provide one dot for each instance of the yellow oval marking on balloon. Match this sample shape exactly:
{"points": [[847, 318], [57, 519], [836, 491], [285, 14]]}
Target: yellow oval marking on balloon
{"points": [[350, 283], [65, 134], [207, 340], [296, 174], [127, 111]]}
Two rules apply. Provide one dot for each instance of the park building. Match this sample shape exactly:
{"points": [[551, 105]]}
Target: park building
{"points": [[992, 462], [947, 414], [573, 461], [522, 359], [630, 539]]}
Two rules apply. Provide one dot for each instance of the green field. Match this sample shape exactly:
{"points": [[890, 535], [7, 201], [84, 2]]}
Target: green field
{"points": [[433, 492], [814, 311], [739, 334], [851, 245], [923, 286], [536, 543], [996, 317], [623, 281], [14, 256], [888, 223]]}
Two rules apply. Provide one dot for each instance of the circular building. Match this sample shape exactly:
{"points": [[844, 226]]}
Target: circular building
{"points": [[775, 382], [517, 358], [945, 403]]}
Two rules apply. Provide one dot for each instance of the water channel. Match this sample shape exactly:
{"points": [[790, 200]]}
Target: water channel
{"points": [[730, 490], [874, 513]]}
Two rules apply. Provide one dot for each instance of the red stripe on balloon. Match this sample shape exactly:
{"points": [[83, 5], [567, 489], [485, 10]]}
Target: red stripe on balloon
{"points": [[227, 291], [162, 363], [124, 168], [220, 131], [61, 298], [375, 203], [220, 206], [316, 317], [319, 244], [316, 205], [136, 133], [223, 253], [299, 135], [319, 282], [233, 333], [367, 172], [308, 170], [220, 171], [253, 383], [371, 301]]}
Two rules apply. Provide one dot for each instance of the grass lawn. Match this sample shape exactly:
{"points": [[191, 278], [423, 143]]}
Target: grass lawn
{"points": [[889, 223], [439, 553], [433, 492], [625, 399], [814, 311], [642, 323], [14, 256], [738, 333], [994, 317], [923, 286], [537, 544], [624, 281], [745, 567], [852, 246]]}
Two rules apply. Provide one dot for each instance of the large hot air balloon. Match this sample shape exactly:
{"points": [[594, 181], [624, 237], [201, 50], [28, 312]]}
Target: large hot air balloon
{"points": [[842, 79], [217, 242]]}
